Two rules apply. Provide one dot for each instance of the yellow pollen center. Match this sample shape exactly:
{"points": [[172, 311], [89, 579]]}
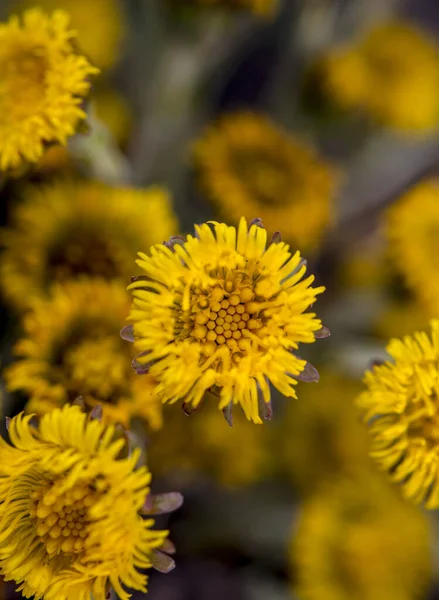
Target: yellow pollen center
{"points": [[227, 315], [22, 84], [97, 366], [62, 519]]}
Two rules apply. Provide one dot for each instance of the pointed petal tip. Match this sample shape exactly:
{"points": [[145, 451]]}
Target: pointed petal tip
{"points": [[322, 333], [127, 333]]}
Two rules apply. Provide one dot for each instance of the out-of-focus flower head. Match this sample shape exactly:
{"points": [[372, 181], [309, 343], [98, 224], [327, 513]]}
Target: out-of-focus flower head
{"points": [[224, 312], [185, 448], [262, 8], [72, 347], [413, 234], [358, 539], [81, 229], [44, 82], [391, 73], [400, 408], [100, 26], [247, 165], [320, 436], [71, 522]]}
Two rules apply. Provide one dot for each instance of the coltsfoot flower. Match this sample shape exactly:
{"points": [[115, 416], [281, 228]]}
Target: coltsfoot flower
{"points": [[70, 515], [391, 74], [400, 406], [221, 311], [412, 225], [71, 347], [247, 165], [44, 82], [357, 538], [100, 44], [82, 229]]}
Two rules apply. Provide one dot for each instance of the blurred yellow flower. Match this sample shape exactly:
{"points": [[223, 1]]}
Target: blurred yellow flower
{"points": [[186, 447], [221, 311], [100, 26], [263, 8], [400, 407], [358, 539], [70, 522], [400, 317], [413, 234], [79, 229], [44, 82], [247, 166], [72, 347], [391, 73], [320, 436]]}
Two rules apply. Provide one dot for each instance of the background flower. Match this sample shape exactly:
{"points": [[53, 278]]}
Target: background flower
{"points": [[44, 83], [76, 229]]}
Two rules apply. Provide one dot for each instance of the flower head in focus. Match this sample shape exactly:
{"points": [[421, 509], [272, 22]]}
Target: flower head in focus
{"points": [[391, 74], [358, 539], [44, 82], [248, 166], [400, 407], [413, 235], [72, 347], [100, 44], [320, 437], [71, 524], [224, 312], [184, 448], [74, 229]]}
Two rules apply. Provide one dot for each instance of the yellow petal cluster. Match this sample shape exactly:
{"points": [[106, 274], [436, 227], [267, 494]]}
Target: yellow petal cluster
{"points": [[71, 347], [412, 225], [101, 44], [70, 523], [223, 311], [247, 165], [72, 229], [44, 82], [358, 539], [391, 73], [400, 407]]}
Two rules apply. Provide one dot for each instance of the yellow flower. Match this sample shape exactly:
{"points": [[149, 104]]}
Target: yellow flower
{"points": [[222, 311], [72, 347], [413, 233], [248, 166], [44, 82], [263, 8], [184, 448], [79, 229], [70, 522], [400, 407], [391, 73], [320, 437], [358, 539], [100, 26]]}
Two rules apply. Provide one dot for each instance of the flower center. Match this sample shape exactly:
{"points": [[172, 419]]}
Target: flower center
{"points": [[228, 315], [98, 366], [22, 84], [80, 253], [265, 176], [62, 518]]}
